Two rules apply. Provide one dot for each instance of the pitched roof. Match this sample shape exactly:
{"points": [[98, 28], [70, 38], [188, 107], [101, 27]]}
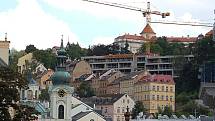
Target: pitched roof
{"points": [[181, 39], [108, 99], [158, 78], [80, 115], [209, 33], [130, 37], [147, 29]]}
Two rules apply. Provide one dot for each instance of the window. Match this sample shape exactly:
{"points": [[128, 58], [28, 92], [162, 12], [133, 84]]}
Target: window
{"points": [[61, 112], [171, 98], [171, 89], [128, 101], [30, 94], [92, 120], [158, 97], [167, 98], [118, 110], [158, 88], [36, 94], [23, 94], [167, 89], [153, 88], [123, 100], [153, 97], [162, 97], [162, 88], [106, 110]]}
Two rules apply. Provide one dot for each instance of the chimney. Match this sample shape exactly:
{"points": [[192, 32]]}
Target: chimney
{"points": [[5, 36]]}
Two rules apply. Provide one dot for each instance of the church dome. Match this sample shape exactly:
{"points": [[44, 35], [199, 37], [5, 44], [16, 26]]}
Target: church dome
{"points": [[60, 77]]}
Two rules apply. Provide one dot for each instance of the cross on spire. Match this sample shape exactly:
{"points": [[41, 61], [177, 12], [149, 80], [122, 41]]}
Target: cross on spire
{"points": [[61, 46]]}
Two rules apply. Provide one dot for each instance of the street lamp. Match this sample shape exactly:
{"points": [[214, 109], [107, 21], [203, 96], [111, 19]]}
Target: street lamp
{"points": [[127, 114]]}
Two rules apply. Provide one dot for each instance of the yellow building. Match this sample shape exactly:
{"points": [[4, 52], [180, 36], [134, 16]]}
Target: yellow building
{"points": [[127, 82], [4, 50], [155, 91], [24, 61]]}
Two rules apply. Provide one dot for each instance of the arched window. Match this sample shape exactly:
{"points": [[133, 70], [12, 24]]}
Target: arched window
{"points": [[61, 112], [30, 94], [36, 94]]}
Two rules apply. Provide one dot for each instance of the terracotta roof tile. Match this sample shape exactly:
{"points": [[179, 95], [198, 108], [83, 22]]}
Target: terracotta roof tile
{"points": [[209, 33], [181, 39], [147, 29], [165, 79], [130, 37]]}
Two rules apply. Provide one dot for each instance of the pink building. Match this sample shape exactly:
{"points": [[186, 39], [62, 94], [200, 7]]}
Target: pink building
{"points": [[112, 106]]}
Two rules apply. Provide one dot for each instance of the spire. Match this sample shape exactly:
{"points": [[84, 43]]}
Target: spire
{"points": [[5, 36], [61, 45]]}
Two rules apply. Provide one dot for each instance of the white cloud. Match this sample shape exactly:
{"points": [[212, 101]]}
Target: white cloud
{"points": [[29, 24], [136, 18]]}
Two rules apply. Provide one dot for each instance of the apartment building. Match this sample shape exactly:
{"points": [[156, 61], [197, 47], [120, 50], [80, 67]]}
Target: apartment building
{"points": [[127, 63], [155, 91]]}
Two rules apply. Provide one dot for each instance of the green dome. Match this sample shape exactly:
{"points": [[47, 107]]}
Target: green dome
{"points": [[60, 77]]}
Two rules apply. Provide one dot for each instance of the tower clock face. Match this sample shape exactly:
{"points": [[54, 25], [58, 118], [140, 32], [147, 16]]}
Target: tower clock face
{"points": [[61, 93]]}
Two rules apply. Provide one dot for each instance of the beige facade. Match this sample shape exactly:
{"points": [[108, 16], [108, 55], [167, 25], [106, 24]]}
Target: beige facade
{"points": [[127, 82], [4, 51], [77, 69], [24, 61], [43, 79], [100, 85]]}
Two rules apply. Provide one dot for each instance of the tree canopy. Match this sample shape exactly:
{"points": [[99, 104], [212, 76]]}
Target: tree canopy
{"points": [[10, 83], [138, 107], [30, 48], [85, 90]]}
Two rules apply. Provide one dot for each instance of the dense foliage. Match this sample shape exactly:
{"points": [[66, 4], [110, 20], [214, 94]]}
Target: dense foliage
{"points": [[85, 90], [10, 83], [74, 51], [46, 57], [138, 107]]}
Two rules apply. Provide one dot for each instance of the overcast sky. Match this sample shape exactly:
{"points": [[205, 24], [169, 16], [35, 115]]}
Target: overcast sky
{"points": [[42, 22]]}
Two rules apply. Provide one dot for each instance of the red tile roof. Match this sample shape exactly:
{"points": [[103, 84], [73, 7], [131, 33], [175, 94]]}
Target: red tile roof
{"points": [[130, 37], [147, 29], [209, 33], [181, 39], [165, 79]]}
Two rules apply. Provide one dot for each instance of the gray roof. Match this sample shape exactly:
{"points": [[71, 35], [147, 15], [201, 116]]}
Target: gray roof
{"points": [[128, 76], [2, 63], [108, 99], [80, 115]]}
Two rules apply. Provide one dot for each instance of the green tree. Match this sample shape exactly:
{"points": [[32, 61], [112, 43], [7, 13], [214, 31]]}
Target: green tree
{"points": [[85, 90], [155, 48], [44, 95], [46, 57], [138, 107], [30, 48], [10, 83], [74, 51]]}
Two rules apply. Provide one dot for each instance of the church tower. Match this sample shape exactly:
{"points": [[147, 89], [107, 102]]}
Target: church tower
{"points": [[61, 92], [4, 50]]}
